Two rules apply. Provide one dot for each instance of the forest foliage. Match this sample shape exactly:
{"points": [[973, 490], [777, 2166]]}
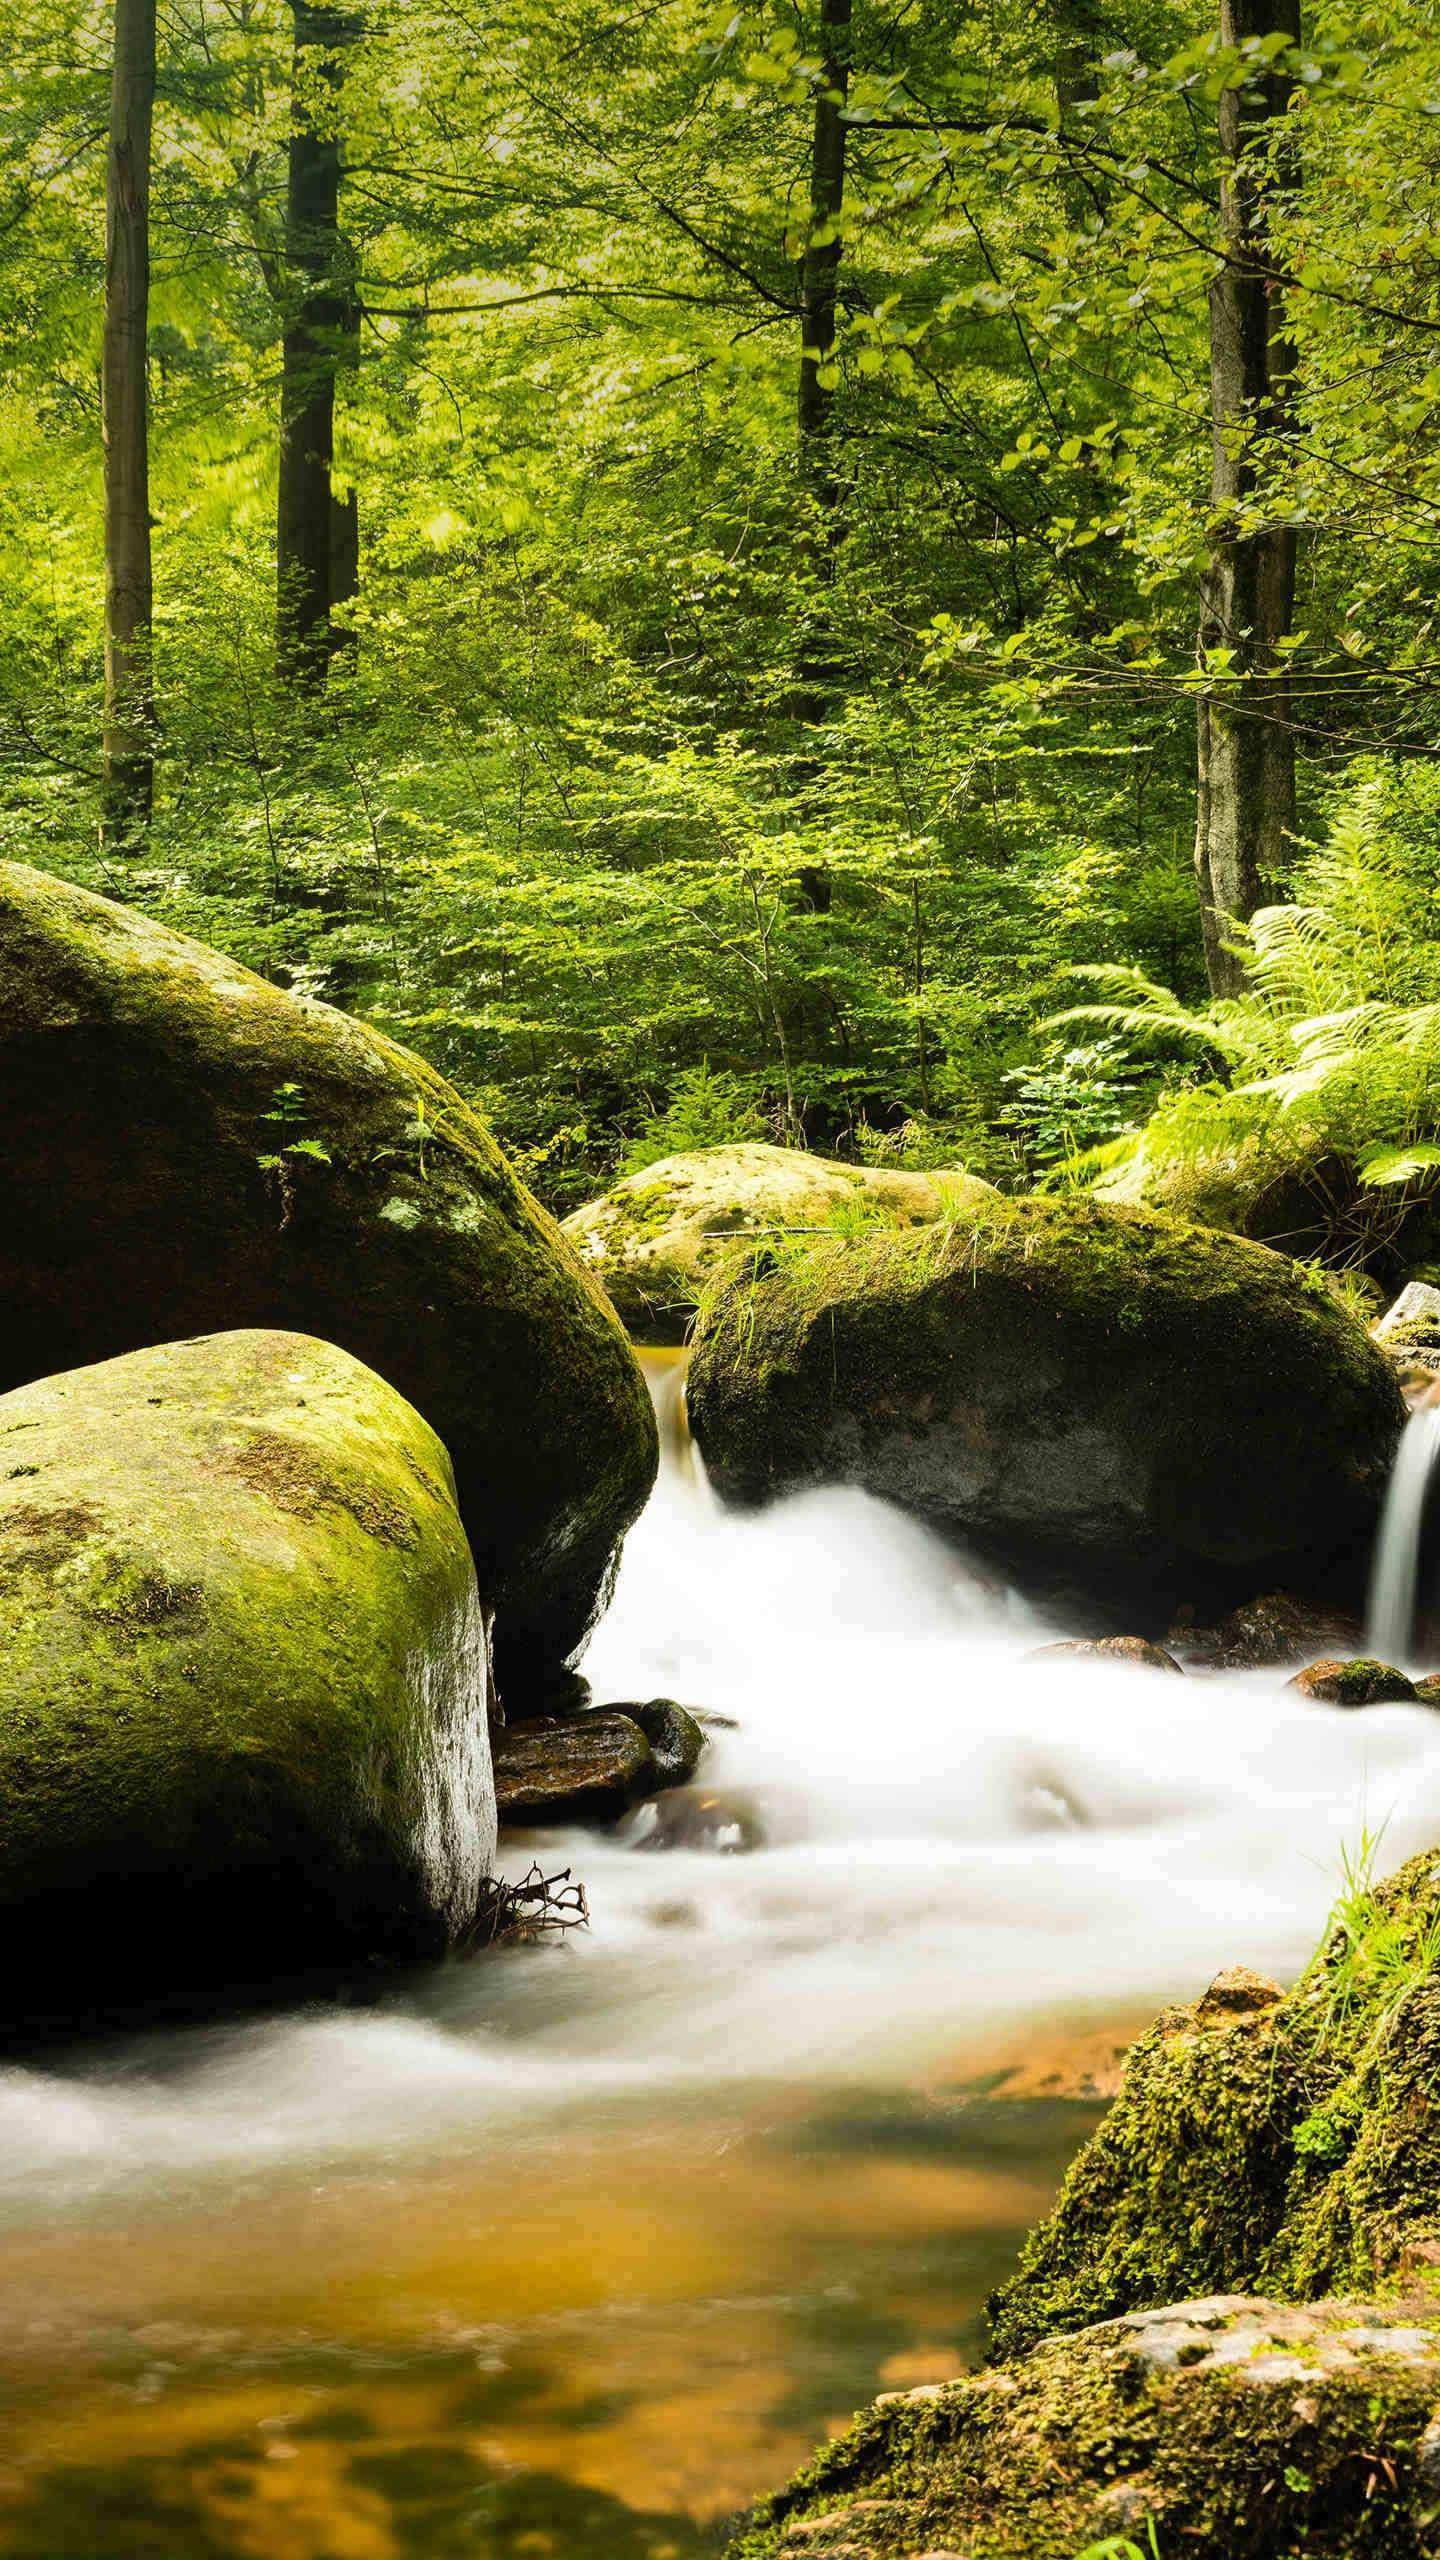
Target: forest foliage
{"points": [[770, 681]]}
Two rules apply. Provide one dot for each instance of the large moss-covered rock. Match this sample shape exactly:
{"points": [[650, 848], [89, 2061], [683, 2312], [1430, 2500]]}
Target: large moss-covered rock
{"points": [[1287, 2145], [1234, 2429], [187, 1149], [1142, 1408], [660, 1237], [243, 1732]]}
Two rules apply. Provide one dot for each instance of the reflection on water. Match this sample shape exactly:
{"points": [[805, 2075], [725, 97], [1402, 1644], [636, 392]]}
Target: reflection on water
{"points": [[599, 2345], [575, 2250]]}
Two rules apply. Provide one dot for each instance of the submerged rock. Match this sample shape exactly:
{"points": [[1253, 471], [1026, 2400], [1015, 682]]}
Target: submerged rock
{"points": [[728, 1821], [1233, 2427], [188, 1149], [1135, 1650], [1105, 1398], [1357, 1683], [242, 1679], [660, 1237]]}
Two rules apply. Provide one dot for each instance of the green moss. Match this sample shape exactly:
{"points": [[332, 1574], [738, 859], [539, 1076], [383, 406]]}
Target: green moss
{"points": [[149, 1084], [1058, 1377], [1359, 1682], [1293, 2150], [242, 1676], [660, 1238], [1233, 2430]]}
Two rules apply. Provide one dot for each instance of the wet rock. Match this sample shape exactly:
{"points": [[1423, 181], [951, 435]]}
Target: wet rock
{"points": [[1242, 2428], [190, 1149], [1357, 1683], [1276, 1629], [1409, 1332], [1428, 1689], [590, 1768], [242, 1680], [1001, 1383], [676, 1740], [659, 1237], [1135, 1650], [724, 1820], [1236, 1993]]}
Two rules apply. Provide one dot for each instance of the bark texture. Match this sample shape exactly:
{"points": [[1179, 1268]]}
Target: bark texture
{"points": [[129, 718], [1245, 804], [316, 537], [816, 671]]}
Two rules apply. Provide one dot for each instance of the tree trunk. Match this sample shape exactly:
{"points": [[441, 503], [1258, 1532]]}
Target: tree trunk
{"points": [[820, 268], [311, 528], [1245, 802], [128, 744], [816, 669]]}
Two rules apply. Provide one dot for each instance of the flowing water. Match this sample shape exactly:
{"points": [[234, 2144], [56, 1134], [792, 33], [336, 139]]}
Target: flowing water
{"points": [[1395, 1586], [574, 2250]]}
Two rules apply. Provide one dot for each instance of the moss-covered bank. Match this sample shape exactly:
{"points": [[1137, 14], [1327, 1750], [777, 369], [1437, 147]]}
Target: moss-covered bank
{"points": [[187, 1149], [1231, 2429], [662, 1236], [243, 1732], [1149, 1408], [1287, 2145]]}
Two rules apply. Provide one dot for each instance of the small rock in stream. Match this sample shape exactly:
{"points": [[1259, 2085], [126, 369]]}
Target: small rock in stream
{"points": [[1357, 1683], [592, 1769], [673, 1733], [1132, 1649], [1262, 1634], [723, 1820]]}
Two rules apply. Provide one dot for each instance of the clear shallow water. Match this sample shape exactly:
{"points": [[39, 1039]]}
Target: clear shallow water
{"points": [[578, 2249]]}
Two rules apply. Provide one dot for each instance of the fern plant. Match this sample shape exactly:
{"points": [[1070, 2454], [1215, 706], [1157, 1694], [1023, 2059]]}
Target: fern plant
{"points": [[1326, 1070]]}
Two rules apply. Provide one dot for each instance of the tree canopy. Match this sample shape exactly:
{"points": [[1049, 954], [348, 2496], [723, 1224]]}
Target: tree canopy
{"points": [[753, 477]]}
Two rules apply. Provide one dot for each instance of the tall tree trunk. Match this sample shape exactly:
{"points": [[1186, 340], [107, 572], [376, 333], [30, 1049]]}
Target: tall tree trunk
{"points": [[816, 670], [312, 530], [820, 267], [1245, 772], [128, 744]]}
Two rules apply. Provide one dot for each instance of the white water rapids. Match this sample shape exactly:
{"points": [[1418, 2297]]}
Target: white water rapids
{"points": [[957, 1837]]}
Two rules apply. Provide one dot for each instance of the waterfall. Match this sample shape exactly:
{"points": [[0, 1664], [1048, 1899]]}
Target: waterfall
{"points": [[1397, 1555]]}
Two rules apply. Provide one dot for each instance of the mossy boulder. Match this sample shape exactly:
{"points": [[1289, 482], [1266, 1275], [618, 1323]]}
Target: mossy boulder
{"points": [[659, 1238], [188, 1149], [1237, 2429], [1142, 1409], [1280, 2145], [243, 1732], [1359, 1682]]}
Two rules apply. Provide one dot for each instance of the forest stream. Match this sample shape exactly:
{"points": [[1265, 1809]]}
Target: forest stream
{"points": [[578, 2249]]}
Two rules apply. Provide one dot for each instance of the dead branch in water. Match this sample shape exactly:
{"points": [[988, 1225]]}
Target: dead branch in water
{"points": [[526, 1913]]}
